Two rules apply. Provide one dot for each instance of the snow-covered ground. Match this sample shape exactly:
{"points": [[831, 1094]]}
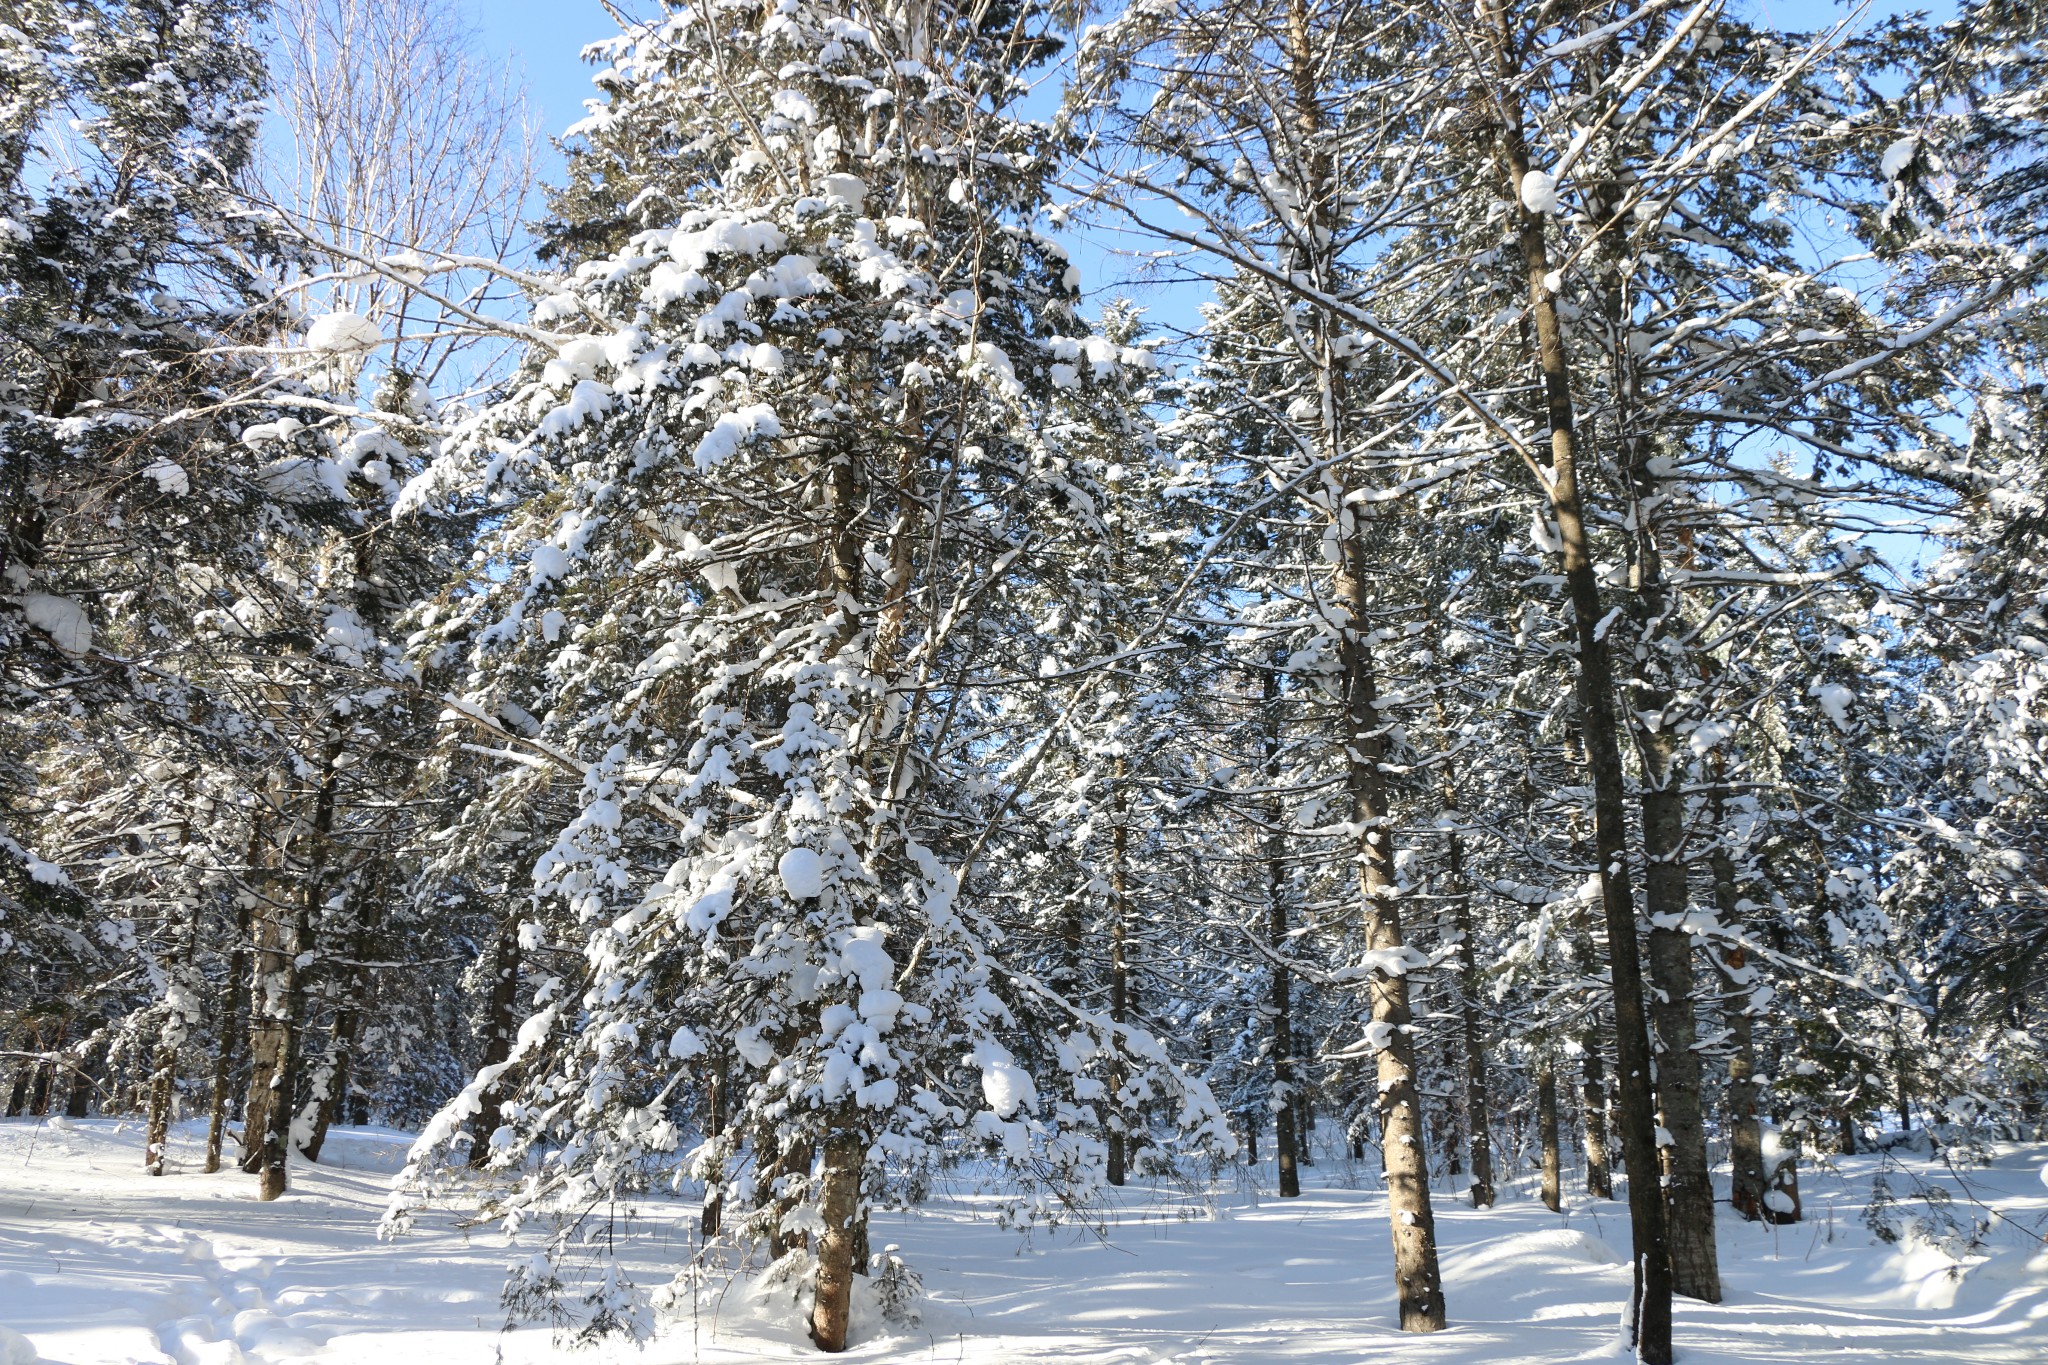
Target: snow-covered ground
{"points": [[100, 1263]]}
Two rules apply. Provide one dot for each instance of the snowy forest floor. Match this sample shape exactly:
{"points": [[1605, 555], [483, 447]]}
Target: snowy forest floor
{"points": [[100, 1263]]}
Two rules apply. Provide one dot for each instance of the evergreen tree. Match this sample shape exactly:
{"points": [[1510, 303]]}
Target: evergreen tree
{"points": [[769, 524]]}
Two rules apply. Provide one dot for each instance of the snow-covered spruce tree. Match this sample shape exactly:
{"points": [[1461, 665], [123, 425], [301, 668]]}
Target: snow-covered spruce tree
{"points": [[129, 509], [1966, 178], [1618, 243], [773, 495], [1280, 192], [1106, 884]]}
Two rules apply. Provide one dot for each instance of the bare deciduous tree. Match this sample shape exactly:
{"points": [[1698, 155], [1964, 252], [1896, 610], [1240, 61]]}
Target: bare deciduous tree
{"points": [[405, 158]]}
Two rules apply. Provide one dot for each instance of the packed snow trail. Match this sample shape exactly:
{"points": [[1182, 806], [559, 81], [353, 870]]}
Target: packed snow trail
{"points": [[102, 1265]]}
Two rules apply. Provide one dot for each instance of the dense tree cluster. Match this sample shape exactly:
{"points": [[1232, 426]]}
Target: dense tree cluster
{"points": [[1546, 677]]}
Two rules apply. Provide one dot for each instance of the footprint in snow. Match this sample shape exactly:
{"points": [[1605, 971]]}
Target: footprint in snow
{"points": [[237, 1326]]}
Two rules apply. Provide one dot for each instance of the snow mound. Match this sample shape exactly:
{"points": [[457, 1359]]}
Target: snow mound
{"points": [[342, 334], [850, 190], [169, 478], [1006, 1086], [1539, 192], [60, 618], [16, 1349], [803, 874], [1897, 157], [731, 431], [1530, 1254], [1835, 700]]}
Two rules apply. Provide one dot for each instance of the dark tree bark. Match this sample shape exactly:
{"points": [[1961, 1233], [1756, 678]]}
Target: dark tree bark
{"points": [[1695, 1269], [17, 1096], [1745, 1135], [1281, 1000], [285, 998], [1283, 1068], [1593, 1077], [1119, 974], [1469, 1057], [1651, 1259], [714, 1127], [784, 1182], [1781, 1202], [39, 1090], [163, 1077], [1398, 1102], [230, 1032], [501, 1009], [78, 1103], [266, 1010], [351, 1005], [163, 1084], [273, 1148], [1478, 1104], [1304, 1112], [1546, 1135]]}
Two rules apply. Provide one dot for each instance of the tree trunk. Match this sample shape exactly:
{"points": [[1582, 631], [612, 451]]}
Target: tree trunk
{"points": [[1119, 980], [1695, 1269], [337, 1072], [787, 1179], [1902, 1095], [181, 1003], [1304, 1116], [1745, 1135], [1392, 1035], [714, 1127], [265, 1011], [1546, 1133], [227, 1043], [284, 996], [839, 1206], [500, 1021], [1281, 1000], [1781, 1200], [1651, 1259], [282, 990], [330, 1085], [163, 1082], [78, 1101], [17, 1095], [1283, 1072], [1478, 1106], [1593, 1110], [39, 1090]]}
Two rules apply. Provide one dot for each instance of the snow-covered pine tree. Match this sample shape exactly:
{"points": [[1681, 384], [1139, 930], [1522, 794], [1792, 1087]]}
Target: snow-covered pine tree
{"points": [[130, 509], [1959, 147], [771, 495]]}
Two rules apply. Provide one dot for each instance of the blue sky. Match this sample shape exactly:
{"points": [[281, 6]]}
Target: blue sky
{"points": [[540, 41], [542, 37]]}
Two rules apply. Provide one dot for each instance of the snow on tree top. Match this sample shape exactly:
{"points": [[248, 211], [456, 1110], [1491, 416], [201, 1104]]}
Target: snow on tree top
{"points": [[342, 333]]}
